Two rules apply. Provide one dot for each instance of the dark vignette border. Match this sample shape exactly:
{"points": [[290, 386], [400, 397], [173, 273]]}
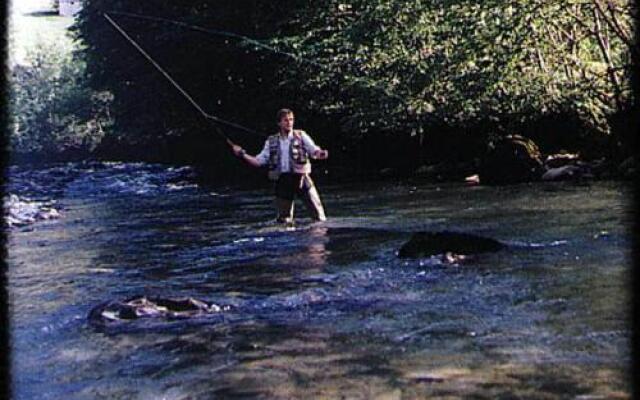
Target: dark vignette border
{"points": [[634, 214], [5, 358]]}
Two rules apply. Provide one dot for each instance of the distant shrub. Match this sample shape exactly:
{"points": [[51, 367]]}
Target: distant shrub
{"points": [[53, 110]]}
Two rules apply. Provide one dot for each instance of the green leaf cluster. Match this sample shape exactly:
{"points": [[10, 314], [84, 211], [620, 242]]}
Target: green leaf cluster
{"points": [[200, 45]]}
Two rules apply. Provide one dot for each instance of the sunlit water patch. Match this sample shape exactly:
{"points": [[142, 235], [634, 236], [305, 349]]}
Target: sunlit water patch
{"points": [[21, 211]]}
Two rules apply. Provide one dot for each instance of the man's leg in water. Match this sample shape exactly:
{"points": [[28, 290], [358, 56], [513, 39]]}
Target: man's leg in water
{"points": [[285, 189], [284, 208], [312, 200]]}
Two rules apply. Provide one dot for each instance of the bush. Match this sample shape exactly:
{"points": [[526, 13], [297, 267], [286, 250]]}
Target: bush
{"points": [[53, 111]]}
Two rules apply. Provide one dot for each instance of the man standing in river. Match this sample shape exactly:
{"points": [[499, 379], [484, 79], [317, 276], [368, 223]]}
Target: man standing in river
{"points": [[287, 154]]}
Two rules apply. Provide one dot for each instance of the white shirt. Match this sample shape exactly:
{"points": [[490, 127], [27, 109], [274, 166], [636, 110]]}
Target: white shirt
{"points": [[309, 145]]}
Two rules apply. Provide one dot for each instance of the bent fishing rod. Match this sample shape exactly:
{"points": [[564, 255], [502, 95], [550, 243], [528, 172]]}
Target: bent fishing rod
{"points": [[202, 112], [249, 40]]}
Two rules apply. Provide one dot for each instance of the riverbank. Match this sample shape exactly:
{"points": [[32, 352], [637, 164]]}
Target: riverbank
{"points": [[556, 167]]}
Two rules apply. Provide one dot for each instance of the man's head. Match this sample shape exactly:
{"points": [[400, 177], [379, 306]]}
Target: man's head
{"points": [[285, 120]]}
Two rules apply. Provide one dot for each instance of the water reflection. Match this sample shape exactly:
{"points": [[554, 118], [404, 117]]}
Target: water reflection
{"points": [[307, 253], [316, 249]]}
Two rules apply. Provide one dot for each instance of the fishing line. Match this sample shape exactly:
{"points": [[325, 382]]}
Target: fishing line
{"points": [[246, 39], [206, 115], [215, 32], [361, 80]]}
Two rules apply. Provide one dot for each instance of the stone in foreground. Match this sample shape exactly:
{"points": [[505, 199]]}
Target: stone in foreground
{"points": [[427, 244], [148, 307]]}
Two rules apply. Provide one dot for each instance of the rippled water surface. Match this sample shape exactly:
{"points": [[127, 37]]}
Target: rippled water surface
{"points": [[322, 310]]}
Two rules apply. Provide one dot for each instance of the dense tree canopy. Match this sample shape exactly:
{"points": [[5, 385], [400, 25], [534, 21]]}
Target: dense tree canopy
{"points": [[197, 44], [460, 61], [379, 67]]}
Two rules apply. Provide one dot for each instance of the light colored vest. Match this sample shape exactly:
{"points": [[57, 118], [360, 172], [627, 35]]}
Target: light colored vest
{"points": [[298, 156]]}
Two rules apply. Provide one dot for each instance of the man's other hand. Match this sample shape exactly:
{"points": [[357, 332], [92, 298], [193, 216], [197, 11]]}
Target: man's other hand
{"points": [[321, 154]]}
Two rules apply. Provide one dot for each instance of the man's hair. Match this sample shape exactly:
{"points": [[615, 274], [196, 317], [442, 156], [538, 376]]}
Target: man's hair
{"points": [[282, 112]]}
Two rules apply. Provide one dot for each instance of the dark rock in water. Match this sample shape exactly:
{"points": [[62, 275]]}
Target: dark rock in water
{"points": [[427, 244], [567, 172], [628, 167], [567, 166], [601, 168], [387, 172], [447, 170], [150, 307], [511, 159]]}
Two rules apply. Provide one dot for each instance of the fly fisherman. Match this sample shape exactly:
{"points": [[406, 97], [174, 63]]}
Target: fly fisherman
{"points": [[287, 154]]}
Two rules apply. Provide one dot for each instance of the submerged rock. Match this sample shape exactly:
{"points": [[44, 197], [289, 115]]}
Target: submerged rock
{"points": [[567, 166], [628, 167], [150, 307], [21, 211], [427, 244], [567, 172], [447, 170]]}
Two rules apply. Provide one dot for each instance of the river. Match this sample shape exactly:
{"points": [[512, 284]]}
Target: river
{"points": [[319, 310]]}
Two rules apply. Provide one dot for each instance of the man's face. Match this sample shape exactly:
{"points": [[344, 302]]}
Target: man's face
{"points": [[286, 123]]}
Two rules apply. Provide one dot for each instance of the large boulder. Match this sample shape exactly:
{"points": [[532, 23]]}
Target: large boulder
{"points": [[427, 244], [568, 172], [512, 159]]}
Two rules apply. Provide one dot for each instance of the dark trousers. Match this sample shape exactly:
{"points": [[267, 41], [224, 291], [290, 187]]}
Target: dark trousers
{"points": [[288, 187]]}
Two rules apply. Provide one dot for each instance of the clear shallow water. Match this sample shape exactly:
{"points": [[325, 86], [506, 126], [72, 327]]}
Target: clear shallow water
{"points": [[323, 310]]}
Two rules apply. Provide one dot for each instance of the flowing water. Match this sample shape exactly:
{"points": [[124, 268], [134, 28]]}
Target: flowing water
{"points": [[319, 310]]}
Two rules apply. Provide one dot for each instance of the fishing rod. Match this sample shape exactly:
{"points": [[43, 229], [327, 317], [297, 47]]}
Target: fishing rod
{"points": [[254, 42], [206, 115]]}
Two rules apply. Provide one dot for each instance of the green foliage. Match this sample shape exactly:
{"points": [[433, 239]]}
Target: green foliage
{"points": [[401, 65], [230, 78], [376, 65], [52, 108]]}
